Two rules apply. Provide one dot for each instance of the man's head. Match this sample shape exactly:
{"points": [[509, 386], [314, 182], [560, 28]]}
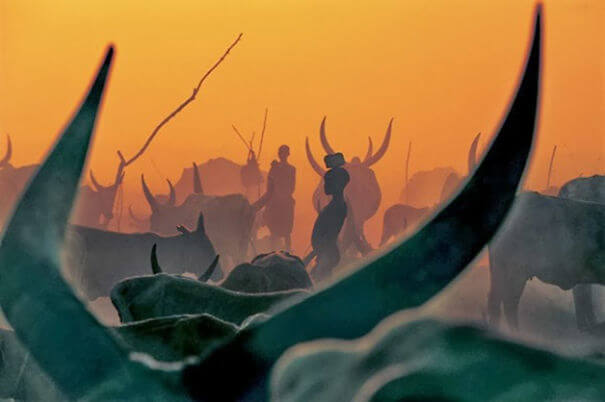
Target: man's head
{"points": [[283, 152]]}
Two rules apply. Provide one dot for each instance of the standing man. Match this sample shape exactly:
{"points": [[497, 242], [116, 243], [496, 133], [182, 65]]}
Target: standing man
{"points": [[279, 210]]}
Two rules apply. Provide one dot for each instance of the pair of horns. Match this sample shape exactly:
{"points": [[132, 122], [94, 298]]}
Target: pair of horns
{"points": [[157, 269], [9, 152], [151, 200], [369, 159]]}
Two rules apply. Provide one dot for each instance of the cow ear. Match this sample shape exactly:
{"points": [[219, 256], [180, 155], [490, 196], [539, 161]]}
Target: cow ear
{"points": [[200, 224]]}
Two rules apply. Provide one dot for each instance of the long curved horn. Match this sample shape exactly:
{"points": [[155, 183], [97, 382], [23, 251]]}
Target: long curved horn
{"points": [[318, 169], [472, 154], [94, 181], [383, 148], [172, 196], [370, 150], [153, 203], [48, 316], [155, 265], [197, 182], [9, 152], [136, 219], [324, 138], [431, 258]]}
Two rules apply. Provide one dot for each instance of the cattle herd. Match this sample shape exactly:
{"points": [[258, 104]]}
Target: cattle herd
{"points": [[207, 312]]}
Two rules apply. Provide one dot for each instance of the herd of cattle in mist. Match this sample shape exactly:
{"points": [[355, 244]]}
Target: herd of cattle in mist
{"points": [[197, 284]]}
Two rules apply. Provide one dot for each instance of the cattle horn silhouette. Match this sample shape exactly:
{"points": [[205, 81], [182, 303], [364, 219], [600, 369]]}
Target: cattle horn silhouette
{"points": [[9, 152]]}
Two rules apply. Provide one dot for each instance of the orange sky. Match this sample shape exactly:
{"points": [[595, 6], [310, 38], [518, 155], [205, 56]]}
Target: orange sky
{"points": [[443, 69]]}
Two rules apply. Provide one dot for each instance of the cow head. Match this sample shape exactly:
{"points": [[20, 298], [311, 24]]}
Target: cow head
{"points": [[104, 196], [165, 215]]}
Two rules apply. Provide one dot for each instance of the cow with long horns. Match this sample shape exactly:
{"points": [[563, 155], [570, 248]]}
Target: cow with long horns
{"points": [[229, 218], [12, 180], [362, 194], [95, 202]]}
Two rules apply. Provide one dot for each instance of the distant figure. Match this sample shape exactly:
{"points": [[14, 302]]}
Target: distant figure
{"points": [[279, 210], [251, 176], [324, 239]]}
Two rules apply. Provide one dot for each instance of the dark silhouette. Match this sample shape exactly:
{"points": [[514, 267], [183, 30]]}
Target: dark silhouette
{"points": [[250, 173], [556, 240], [229, 218], [398, 218], [279, 210], [324, 238], [363, 194], [591, 189]]}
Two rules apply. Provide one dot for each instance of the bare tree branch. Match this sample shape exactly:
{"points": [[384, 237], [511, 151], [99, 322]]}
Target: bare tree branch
{"points": [[179, 108]]}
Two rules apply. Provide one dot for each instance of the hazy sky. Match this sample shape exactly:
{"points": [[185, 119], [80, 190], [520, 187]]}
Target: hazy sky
{"points": [[444, 70]]}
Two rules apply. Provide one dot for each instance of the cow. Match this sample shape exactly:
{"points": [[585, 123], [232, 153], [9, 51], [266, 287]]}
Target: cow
{"points": [[271, 272], [400, 217], [12, 180], [363, 194], [95, 203], [229, 218], [249, 289], [590, 189], [162, 295], [97, 259], [559, 241]]}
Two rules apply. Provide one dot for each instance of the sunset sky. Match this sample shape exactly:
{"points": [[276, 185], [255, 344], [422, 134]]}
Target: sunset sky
{"points": [[444, 70]]}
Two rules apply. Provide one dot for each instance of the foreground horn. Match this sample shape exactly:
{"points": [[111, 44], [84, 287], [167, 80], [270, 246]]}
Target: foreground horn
{"points": [[383, 148], [197, 182], [324, 138], [153, 203], [80, 355], [318, 169], [472, 154], [9, 152], [155, 265], [404, 276]]}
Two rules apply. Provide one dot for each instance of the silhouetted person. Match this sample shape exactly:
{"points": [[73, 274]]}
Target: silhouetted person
{"points": [[279, 210], [251, 176], [324, 239]]}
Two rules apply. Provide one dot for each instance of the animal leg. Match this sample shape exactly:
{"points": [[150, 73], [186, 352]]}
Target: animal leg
{"points": [[582, 298], [511, 300]]}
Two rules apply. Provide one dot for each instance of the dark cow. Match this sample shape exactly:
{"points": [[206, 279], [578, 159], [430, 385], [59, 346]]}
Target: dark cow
{"points": [[398, 218], [248, 289], [591, 189], [272, 272], [559, 241], [363, 193], [96, 260], [95, 203], [229, 218], [12, 181]]}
